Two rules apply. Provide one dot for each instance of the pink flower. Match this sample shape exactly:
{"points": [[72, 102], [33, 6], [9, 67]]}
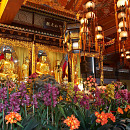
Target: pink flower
{"points": [[88, 78], [91, 80], [30, 80]]}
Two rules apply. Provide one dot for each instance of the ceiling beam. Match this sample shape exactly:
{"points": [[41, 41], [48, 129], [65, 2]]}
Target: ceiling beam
{"points": [[9, 9]]}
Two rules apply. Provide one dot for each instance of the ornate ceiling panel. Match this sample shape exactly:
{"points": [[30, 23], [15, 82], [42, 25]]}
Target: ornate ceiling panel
{"points": [[103, 7], [55, 4]]}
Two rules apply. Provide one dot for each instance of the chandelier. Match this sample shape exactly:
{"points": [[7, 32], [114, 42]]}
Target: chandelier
{"points": [[122, 15], [91, 34], [89, 37]]}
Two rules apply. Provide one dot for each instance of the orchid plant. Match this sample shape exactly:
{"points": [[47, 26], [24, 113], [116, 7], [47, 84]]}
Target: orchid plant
{"points": [[62, 107]]}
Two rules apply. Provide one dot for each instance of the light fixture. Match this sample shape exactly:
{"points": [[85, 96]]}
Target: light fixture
{"points": [[84, 29], [98, 29], [122, 14], [75, 45], [90, 4], [123, 35], [123, 53], [73, 42], [127, 54], [122, 24], [83, 20], [121, 3], [90, 15], [87, 20], [99, 36]]}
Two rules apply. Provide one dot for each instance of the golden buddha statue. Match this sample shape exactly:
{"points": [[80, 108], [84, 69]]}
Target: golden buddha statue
{"points": [[25, 69], [42, 66], [58, 72], [7, 67]]}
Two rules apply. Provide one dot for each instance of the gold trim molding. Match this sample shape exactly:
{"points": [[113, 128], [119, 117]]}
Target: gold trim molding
{"points": [[17, 43], [48, 48]]}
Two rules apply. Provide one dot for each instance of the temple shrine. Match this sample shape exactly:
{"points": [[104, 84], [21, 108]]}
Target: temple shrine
{"points": [[64, 64]]}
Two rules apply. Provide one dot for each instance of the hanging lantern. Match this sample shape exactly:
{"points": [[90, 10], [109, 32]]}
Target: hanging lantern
{"points": [[121, 3], [73, 41], [90, 4], [99, 37], [75, 46], [84, 29], [123, 35], [122, 24], [121, 15], [83, 20], [90, 15], [127, 54], [122, 53], [98, 29]]}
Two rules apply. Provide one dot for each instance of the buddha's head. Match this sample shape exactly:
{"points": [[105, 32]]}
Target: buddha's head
{"points": [[7, 54], [43, 59]]}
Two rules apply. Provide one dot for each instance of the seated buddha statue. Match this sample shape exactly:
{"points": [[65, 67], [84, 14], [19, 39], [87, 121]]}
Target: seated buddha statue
{"points": [[42, 66], [58, 72], [25, 69], [7, 67]]}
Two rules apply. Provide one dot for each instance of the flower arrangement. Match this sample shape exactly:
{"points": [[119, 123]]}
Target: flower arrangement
{"points": [[90, 84], [44, 109]]}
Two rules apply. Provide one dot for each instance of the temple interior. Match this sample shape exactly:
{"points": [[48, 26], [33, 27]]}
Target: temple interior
{"points": [[73, 49]]}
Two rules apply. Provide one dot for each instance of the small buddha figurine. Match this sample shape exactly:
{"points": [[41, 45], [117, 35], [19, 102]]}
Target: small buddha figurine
{"points": [[42, 66], [58, 72], [7, 67], [25, 69]]}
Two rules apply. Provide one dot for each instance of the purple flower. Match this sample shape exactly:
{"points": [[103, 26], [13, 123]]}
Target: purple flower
{"points": [[49, 95]]}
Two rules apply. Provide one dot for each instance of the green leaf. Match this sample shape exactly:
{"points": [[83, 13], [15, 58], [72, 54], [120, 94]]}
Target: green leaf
{"points": [[1, 121], [51, 127], [30, 124], [105, 127], [109, 108], [19, 124], [1, 114], [93, 125], [62, 110]]}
